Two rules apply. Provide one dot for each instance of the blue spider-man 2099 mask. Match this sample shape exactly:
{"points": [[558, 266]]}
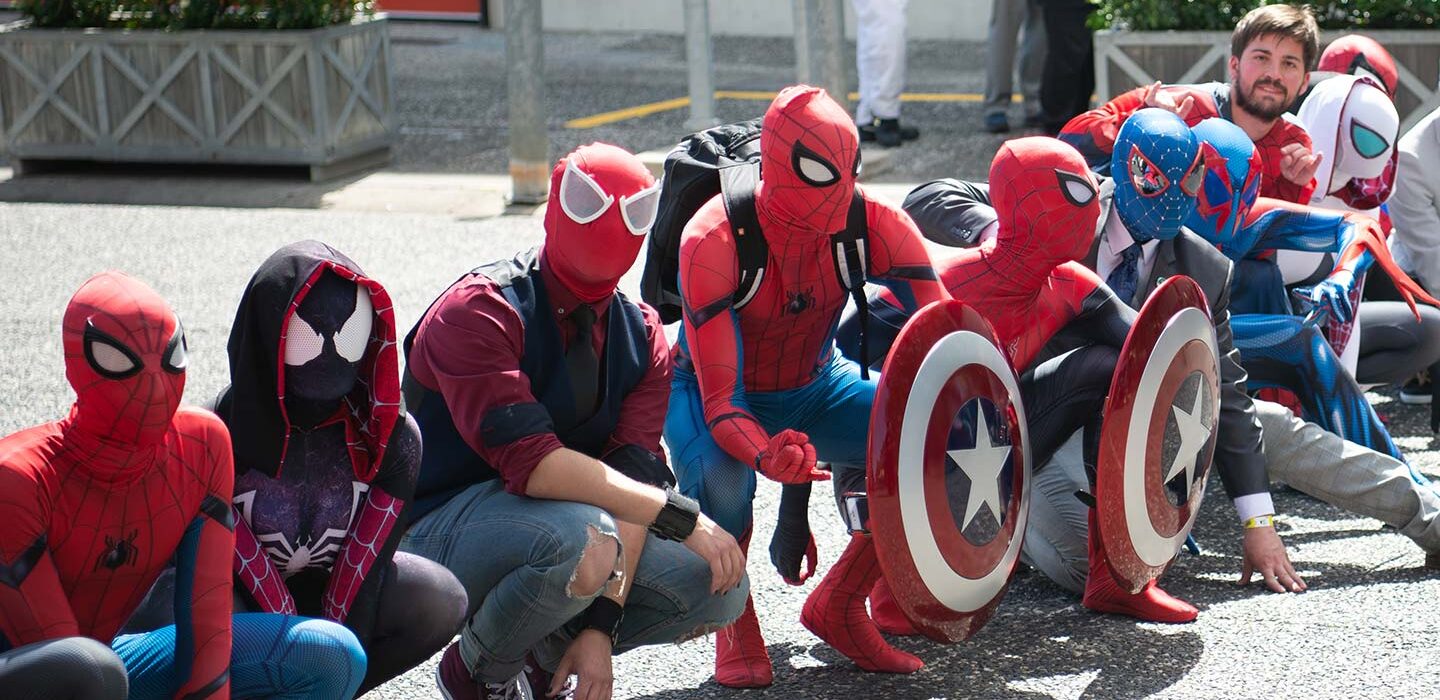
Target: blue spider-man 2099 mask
{"points": [[1157, 171], [1231, 184]]}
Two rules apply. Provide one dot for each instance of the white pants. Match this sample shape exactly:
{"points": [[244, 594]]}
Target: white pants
{"points": [[880, 58]]}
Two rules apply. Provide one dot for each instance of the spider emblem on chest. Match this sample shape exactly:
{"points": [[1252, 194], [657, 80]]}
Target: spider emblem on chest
{"points": [[118, 552], [799, 301]]}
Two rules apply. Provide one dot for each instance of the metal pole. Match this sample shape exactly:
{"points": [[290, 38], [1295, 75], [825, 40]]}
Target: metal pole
{"points": [[700, 61], [804, 37], [832, 58], [525, 71], [820, 57]]}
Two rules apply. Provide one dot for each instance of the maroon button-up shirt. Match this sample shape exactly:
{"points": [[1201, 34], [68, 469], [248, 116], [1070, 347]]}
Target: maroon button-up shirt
{"points": [[468, 349]]}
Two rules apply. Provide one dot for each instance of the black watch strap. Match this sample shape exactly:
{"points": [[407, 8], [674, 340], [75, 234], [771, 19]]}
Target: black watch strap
{"points": [[605, 615], [677, 519]]}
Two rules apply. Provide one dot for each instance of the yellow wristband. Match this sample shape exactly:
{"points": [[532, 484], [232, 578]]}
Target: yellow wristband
{"points": [[1260, 521]]}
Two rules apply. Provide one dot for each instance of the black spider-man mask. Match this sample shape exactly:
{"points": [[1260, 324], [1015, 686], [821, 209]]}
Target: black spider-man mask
{"points": [[325, 339]]}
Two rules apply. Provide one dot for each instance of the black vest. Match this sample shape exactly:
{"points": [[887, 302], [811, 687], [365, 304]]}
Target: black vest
{"points": [[448, 465]]}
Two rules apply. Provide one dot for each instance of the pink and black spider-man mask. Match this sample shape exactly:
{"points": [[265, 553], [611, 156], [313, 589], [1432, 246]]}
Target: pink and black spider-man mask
{"points": [[809, 160], [1232, 182], [312, 327], [125, 356], [603, 201], [1048, 206]]}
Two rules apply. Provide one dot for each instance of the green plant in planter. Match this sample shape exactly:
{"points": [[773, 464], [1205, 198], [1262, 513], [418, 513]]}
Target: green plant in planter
{"points": [[193, 14], [1222, 15]]}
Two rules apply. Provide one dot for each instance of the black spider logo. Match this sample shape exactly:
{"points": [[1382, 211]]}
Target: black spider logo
{"points": [[118, 552], [797, 302]]}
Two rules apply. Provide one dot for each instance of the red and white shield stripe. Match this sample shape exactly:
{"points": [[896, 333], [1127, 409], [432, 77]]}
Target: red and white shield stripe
{"points": [[945, 358], [1171, 349]]}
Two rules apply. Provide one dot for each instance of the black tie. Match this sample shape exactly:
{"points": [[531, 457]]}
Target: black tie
{"points": [[581, 361]]}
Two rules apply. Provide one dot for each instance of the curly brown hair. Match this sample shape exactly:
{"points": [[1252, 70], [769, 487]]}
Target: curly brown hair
{"points": [[1292, 21]]}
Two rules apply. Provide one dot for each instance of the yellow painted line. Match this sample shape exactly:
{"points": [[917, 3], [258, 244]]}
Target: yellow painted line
{"points": [[620, 115], [648, 109]]}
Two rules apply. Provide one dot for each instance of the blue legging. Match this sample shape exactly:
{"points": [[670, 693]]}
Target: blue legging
{"points": [[1281, 352], [833, 409], [274, 656]]}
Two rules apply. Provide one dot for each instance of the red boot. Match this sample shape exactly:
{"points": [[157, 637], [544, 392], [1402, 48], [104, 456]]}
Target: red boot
{"points": [[1104, 594], [740, 657], [886, 612], [835, 612]]}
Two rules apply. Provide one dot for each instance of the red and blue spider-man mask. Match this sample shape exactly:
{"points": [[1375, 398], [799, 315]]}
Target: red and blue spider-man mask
{"points": [[1231, 182], [1157, 170]]}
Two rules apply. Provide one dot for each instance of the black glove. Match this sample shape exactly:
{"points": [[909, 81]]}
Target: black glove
{"points": [[793, 544]]}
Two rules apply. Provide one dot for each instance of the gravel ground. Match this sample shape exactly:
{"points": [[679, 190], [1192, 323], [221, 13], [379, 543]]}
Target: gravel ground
{"points": [[1367, 627]]}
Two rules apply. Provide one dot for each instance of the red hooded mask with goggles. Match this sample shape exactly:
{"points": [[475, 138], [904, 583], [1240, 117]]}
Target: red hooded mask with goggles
{"points": [[603, 201]]}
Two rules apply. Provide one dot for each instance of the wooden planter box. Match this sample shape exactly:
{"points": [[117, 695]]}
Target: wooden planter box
{"points": [[1125, 59], [320, 98]]}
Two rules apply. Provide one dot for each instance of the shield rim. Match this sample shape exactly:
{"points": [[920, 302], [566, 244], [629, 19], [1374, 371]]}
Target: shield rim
{"points": [[897, 494], [1182, 305]]}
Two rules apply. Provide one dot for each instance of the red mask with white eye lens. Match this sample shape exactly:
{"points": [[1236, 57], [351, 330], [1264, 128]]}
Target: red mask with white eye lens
{"points": [[603, 201], [810, 158], [1047, 200], [125, 356]]}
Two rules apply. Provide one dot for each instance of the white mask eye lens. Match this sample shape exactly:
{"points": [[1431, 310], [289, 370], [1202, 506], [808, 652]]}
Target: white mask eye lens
{"points": [[177, 353], [110, 359], [354, 336], [1076, 188], [639, 209], [812, 167], [302, 343], [108, 356], [581, 197], [815, 171]]}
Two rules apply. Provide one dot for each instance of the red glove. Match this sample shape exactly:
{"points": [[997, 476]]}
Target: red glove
{"points": [[789, 458]]}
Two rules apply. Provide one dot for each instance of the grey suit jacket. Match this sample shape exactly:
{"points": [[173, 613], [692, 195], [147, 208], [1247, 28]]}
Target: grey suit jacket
{"points": [[953, 212]]}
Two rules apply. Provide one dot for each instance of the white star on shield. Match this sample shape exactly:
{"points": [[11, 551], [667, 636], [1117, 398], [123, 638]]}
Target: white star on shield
{"points": [[1193, 436], [982, 465]]}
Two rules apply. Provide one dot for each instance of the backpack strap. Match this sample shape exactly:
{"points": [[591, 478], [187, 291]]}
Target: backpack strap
{"points": [[852, 268], [737, 186]]}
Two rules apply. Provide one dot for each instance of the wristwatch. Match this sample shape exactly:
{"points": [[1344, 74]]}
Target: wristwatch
{"points": [[605, 615], [677, 519]]}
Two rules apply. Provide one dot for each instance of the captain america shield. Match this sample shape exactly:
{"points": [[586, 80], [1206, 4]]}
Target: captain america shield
{"points": [[1158, 439], [950, 471]]}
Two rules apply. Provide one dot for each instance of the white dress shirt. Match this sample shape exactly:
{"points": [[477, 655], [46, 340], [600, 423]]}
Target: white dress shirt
{"points": [[1113, 242]]}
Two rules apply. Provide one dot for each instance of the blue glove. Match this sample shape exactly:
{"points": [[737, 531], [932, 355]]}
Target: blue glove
{"points": [[1333, 293]]}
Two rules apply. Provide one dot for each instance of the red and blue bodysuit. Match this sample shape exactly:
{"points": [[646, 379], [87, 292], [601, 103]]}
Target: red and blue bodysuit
{"points": [[1281, 350], [761, 388], [325, 460], [99, 502]]}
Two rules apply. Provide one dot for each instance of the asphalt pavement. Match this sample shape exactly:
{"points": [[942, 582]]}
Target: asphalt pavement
{"points": [[1367, 628]]}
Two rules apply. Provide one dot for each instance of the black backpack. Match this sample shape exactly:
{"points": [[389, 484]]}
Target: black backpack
{"points": [[726, 159]]}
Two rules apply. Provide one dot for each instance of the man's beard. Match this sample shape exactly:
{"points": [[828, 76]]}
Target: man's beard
{"points": [[1268, 113]]}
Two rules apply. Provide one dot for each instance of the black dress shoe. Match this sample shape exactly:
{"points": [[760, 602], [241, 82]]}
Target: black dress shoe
{"points": [[890, 134]]}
